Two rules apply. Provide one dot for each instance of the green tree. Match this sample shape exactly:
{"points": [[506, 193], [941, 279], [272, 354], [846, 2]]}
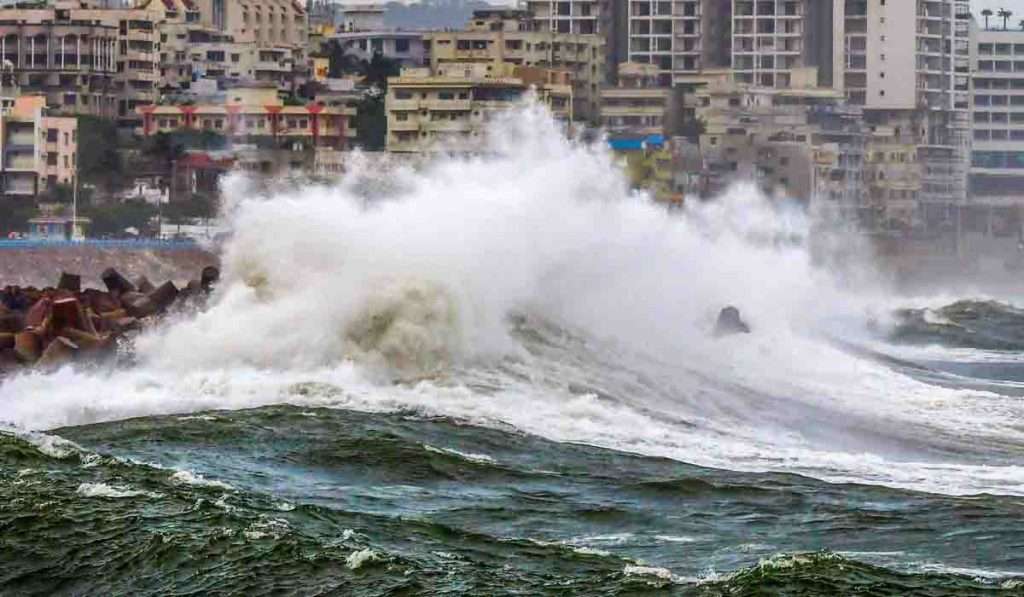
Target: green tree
{"points": [[15, 214], [986, 13], [113, 218], [99, 162]]}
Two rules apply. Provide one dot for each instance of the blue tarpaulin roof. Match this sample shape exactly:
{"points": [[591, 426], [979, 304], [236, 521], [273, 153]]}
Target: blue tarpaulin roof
{"points": [[636, 144]]}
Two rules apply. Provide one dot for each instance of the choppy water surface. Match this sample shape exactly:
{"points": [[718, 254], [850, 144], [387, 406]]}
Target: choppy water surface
{"points": [[479, 388]]}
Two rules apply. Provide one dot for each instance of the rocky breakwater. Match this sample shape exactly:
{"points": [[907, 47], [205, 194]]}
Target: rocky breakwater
{"points": [[51, 327]]}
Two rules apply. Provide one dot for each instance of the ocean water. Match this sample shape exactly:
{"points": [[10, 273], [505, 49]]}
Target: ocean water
{"points": [[496, 376]]}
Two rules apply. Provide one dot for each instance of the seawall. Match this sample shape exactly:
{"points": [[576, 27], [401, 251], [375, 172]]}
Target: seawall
{"points": [[28, 263]]}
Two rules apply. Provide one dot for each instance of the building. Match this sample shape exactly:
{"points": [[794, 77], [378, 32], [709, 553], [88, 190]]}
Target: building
{"points": [[267, 23], [256, 116], [405, 47], [788, 141], [997, 168], [637, 105], [780, 43], [448, 109], [908, 66], [606, 18], [85, 60], [504, 37], [360, 17], [38, 150]]}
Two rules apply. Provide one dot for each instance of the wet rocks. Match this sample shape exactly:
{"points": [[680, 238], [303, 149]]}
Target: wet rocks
{"points": [[730, 323], [53, 327]]}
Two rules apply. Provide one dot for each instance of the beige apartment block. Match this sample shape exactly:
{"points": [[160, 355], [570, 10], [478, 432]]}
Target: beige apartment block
{"points": [[496, 42], [637, 105], [193, 48], [448, 110], [268, 23], [85, 60], [257, 116], [38, 150], [782, 139], [606, 18]]}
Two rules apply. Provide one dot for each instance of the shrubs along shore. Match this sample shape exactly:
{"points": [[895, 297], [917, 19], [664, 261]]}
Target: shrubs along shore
{"points": [[51, 327]]}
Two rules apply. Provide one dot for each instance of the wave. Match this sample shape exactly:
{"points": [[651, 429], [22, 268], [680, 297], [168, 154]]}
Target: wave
{"points": [[532, 288], [986, 325], [178, 542]]}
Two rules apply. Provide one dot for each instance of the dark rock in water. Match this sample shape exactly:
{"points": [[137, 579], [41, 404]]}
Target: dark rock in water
{"points": [[729, 323]]}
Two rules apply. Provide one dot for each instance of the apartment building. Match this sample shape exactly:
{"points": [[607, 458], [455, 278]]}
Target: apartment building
{"points": [[38, 150], [908, 65], [405, 47], [789, 141], [606, 18], [448, 109], [265, 22], [997, 167], [85, 60], [504, 37], [774, 41], [257, 116], [636, 105]]}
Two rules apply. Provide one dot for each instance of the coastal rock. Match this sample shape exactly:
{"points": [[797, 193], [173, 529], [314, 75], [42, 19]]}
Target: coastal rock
{"points": [[58, 353], [730, 322], [115, 282], [70, 282]]}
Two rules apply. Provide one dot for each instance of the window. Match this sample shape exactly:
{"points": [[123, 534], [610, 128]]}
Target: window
{"points": [[66, 164], [51, 158], [67, 138], [235, 57], [401, 46], [51, 135], [402, 94]]}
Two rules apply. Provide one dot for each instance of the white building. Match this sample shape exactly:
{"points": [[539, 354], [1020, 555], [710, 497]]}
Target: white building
{"points": [[998, 113]]}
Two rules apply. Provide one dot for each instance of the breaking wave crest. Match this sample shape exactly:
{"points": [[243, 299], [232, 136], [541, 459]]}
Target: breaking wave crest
{"points": [[531, 287]]}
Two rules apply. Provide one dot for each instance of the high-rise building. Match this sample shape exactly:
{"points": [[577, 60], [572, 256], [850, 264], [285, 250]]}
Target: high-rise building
{"points": [[998, 113], [908, 65], [607, 18], [786, 43]]}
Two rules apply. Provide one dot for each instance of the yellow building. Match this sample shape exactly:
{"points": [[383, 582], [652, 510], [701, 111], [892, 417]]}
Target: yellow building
{"points": [[636, 105], [257, 115], [38, 149], [501, 36], [448, 110]]}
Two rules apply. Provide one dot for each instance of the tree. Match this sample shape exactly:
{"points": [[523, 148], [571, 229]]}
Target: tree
{"points": [[1005, 15], [112, 219], [340, 62], [16, 213], [1021, 24], [99, 162], [986, 13]]}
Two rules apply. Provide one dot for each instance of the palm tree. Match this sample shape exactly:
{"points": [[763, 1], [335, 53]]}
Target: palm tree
{"points": [[1005, 15], [986, 13], [1021, 24]]}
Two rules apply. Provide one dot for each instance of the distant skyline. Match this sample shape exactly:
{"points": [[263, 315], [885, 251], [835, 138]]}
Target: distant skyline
{"points": [[1017, 6]]}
